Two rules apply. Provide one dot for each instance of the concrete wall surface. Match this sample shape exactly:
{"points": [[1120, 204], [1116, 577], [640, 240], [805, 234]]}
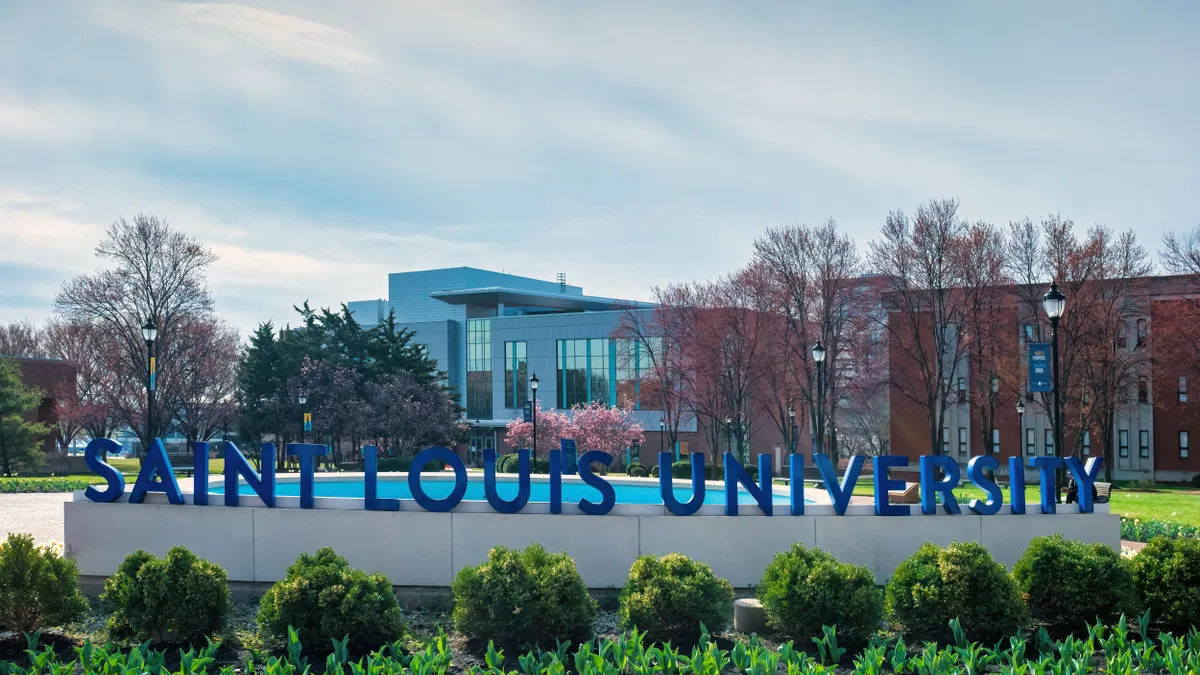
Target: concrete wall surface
{"points": [[418, 548]]}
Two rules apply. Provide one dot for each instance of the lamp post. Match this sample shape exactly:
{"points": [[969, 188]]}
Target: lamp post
{"points": [[1054, 302], [533, 385], [791, 436], [302, 399], [1020, 424], [818, 354], [662, 441], [728, 434], [150, 334]]}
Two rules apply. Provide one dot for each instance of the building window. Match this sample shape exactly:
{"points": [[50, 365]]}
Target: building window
{"points": [[945, 441], [1123, 443], [1141, 332], [962, 390], [1143, 391], [995, 385], [1182, 389], [1028, 332], [1029, 442], [1087, 443], [634, 370], [479, 369], [1049, 446], [1122, 336], [587, 372], [516, 375], [995, 441], [962, 440], [1183, 444], [1143, 443]]}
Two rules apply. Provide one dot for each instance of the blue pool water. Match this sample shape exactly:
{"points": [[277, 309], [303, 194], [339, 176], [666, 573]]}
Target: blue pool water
{"points": [[392, 487]]}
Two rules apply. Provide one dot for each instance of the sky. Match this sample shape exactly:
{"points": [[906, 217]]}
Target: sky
{"points": [[317, 146]]}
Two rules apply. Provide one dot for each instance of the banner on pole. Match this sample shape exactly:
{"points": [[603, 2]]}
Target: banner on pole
{"points": [[1039, 367]]}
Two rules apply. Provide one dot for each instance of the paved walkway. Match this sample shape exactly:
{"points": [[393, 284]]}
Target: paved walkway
{"points": [[38, 514]]}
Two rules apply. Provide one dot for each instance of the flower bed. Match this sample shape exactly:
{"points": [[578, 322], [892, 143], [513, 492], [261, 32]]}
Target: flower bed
{"points": [[24, 485], [1137, 529]]}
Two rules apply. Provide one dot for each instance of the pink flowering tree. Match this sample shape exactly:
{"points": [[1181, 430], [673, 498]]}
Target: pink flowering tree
{"points": [[552, 425], [602, 428]]}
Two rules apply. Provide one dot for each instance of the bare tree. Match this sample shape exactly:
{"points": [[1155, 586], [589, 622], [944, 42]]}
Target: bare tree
{"points": [[87, 406], [204, 358], [820, 294], [987, 330], [657, 334], [157, 274], [926, 313], [21, 339]]}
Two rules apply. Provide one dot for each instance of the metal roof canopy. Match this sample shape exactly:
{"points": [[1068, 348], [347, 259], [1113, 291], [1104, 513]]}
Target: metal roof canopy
{"points": [[492, 296]]}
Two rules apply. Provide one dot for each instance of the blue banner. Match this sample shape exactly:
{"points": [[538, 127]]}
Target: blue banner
{"points": [[570, 455], [1039, 367], [527, 411]]}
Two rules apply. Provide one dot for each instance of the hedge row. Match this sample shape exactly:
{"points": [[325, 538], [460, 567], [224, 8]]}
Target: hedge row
{"points": [[534, 597], [19, 485]]}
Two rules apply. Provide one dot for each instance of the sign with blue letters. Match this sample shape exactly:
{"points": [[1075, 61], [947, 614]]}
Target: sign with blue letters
{"points": [[939, 476], [1039, 367]]}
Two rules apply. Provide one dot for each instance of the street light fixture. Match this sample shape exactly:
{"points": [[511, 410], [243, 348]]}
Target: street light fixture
{"points": [[1055, 303], [150, 334], [791, 429], [1020, 423], [818, 354], [302, 399], [533, 386]]}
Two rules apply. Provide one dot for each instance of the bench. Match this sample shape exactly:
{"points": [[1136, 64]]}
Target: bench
{"points": [[181, 462]]}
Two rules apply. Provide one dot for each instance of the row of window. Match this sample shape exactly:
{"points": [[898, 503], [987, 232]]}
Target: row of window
{"points": [[604, 370], [1048, 444], [1122, 340], [1143, 390]]}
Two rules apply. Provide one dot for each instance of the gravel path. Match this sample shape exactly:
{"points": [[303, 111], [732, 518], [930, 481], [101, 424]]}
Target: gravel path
{"points": [[38, 514]]}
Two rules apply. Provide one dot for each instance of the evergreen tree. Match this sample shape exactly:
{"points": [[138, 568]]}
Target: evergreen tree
{"points": [[20, 441]]}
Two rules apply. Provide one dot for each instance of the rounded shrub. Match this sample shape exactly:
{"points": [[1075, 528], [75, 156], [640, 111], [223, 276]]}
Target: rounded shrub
{"points": [[325, 599], [172, 600], [804, 589], [1068, 584], [523, 598], [669, 597], [1167, 576], [962, 581], [510, 462], [636, 470], [38, 587]]}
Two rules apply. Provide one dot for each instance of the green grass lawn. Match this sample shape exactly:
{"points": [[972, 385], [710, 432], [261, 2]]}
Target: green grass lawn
{"points": [[1166, 502]]}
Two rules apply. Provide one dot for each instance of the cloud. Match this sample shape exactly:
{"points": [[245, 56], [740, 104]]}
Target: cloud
{"points": [[318, 146]]}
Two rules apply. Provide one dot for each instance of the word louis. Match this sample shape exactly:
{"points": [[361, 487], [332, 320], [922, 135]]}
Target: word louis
{"points": [[157, 475]]}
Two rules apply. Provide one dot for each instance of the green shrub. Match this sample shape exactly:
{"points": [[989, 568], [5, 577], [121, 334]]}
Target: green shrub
{"points": [[1167, 575], [1068, 584], [171, 600], [1196, 480], [528, 597], [804, 589], [654, 471], [511, 462], [38, 587], [961, 581], [326, 599], [16, 485], [636, 470], [401, 464], [670, 597]]}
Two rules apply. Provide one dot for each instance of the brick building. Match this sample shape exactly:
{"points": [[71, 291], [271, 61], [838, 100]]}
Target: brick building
{"points": [[52, 377], [1154, 419]]}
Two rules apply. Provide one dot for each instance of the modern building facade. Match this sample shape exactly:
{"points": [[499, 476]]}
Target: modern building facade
{"points": [[491, 331]]}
